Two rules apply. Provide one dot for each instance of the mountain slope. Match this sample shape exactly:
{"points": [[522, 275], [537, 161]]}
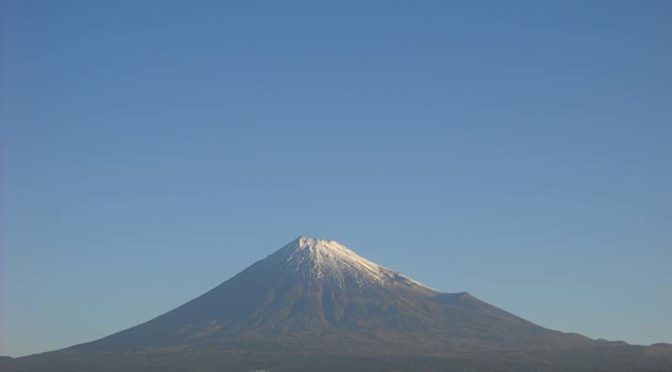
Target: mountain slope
{"points": [[315, 300], [314, 285]]}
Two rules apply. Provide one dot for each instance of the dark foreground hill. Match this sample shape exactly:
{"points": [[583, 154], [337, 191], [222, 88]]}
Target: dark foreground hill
{"points": [[316, 305]]}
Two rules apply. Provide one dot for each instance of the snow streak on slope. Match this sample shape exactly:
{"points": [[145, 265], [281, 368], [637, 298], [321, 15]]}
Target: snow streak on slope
{"points": [[331, 261]]}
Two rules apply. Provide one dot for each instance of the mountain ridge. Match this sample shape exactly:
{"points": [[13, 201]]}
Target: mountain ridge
{"points": [[314, 301]]}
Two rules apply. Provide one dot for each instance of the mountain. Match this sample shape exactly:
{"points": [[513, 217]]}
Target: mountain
{"points": [[316, 305]]}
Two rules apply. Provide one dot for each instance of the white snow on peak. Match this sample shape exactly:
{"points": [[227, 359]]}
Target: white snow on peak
{"points": [[330, 260], [327, 253]]}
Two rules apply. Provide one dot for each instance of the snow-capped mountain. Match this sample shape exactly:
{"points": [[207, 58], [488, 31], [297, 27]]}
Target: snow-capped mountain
{"points": [[315, 285], [328, 260], [315, 302]]}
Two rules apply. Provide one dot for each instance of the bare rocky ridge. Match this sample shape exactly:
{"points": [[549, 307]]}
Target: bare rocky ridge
{"points": [[314, 302]]}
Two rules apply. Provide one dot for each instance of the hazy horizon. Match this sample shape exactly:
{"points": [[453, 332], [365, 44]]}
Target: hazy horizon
{"points": [[518, 151]]}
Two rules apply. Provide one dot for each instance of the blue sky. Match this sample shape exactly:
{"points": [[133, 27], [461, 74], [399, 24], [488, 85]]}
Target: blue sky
{"points": [[516, 150]]}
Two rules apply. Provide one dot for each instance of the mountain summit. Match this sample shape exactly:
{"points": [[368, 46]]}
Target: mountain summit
{"points": [[315, 304], [328, 260]]}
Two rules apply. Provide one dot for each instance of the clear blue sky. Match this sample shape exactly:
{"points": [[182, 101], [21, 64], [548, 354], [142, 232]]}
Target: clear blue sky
{"points": [[517, 150]]}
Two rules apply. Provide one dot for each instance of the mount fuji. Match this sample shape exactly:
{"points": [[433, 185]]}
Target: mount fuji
{"points": [[317, 305]]}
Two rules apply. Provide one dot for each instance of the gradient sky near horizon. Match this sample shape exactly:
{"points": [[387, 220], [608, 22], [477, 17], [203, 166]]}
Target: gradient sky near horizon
{"points": [[520, 151]]}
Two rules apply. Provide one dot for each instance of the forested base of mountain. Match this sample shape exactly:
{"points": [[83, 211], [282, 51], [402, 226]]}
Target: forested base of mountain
{"points": [[644, 359]]}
